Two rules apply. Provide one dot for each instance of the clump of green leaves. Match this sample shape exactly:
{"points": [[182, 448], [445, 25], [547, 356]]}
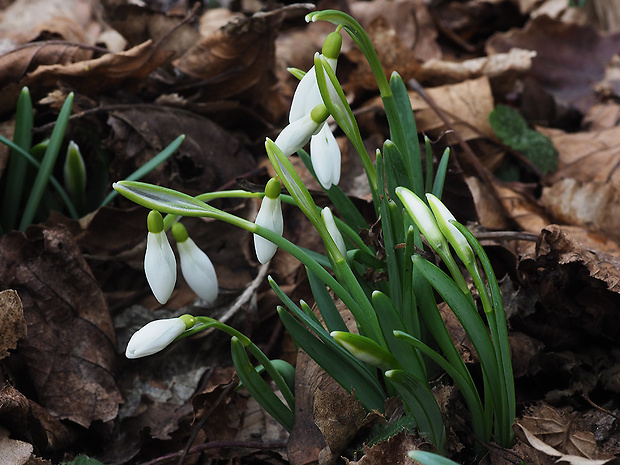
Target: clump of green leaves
{"points": [[513, 131], [30, 188]]}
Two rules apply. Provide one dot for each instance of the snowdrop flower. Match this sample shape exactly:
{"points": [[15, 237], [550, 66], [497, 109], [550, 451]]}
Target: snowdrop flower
{"points": [[326, 158], [196, 267], [455, 237], [334, 232], [294, 136], [423, 218], [307, 95], [269, 216], [159, 263], [157, 335]]}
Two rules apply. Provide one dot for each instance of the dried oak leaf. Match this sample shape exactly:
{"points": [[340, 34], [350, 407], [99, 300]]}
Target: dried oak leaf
{"points": [[12, 324], [101, 73], [579, 289], [569, 58], [238, 61], [29, 421], [208, 158], [70, 348], [550, 431]]}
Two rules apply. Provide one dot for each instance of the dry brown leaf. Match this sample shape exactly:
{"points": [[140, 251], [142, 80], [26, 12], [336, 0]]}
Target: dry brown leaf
{"points": [[587, 156], [12, 324], [238, 60], [70, 348], [106, 71], [391, 451], [581, 300], [501, 68], [521, 207], [392, 53], [548, 429], [28, 420], [559, 48], [411, 20], [467, 104], [591, 204]]}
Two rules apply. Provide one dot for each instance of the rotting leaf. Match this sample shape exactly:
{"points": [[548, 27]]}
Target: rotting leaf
{"points": [[101, 73], [393, 450], [12, 324], [559, 48], [70, 350], [551, 432], [28, 420], [238, 61], [208, 158]]}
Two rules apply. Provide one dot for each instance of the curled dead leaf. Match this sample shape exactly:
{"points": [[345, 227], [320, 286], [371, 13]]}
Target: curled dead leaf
{"points": [[70, 348]]}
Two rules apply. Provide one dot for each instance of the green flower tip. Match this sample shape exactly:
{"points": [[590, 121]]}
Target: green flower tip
{"points": [[189, 320], [273, 188], [319, 113], [155, 222], [179, 232], [332, 45]]}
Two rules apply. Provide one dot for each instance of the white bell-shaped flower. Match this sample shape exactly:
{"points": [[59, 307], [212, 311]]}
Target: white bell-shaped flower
{"points": [[196, 266], [334, 232], [423, 218], [156, 336], [294, 136], [270, 217], [159, 263], [326, 157], [307, 95]]}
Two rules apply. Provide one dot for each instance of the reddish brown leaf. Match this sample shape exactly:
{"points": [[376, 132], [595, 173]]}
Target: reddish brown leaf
{"points": [[70, 349], [12, 324]]}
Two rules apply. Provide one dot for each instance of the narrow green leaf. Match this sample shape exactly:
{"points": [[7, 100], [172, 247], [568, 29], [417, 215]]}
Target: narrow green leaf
{"points": [[16, 174], [149, 166], [258, 388], [407, 141], [325, 303], [440, 178], [47, 164], [421, 404]]}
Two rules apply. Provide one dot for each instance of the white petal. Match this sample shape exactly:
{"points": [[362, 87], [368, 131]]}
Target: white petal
{"points": [[334, 232], [270, 217], [294, 136], [326, 157], [160, 266], [422, 216], [154, 337], [198, 270], [306, 97]]}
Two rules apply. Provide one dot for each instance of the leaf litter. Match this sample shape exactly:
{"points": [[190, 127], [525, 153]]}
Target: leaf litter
{"points": [[143, 74]]}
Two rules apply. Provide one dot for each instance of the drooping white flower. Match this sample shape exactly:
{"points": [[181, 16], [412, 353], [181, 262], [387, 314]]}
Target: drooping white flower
{"points": [[196, 266], [159, 263], [270, 217], [294, 136], [155, 336], [334, 232], [326, 157]]}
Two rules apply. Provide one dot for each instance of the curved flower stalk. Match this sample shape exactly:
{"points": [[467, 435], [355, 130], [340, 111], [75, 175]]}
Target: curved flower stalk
{"points": [[196, 266], [160, 265], [270, 217], [157, 335]]}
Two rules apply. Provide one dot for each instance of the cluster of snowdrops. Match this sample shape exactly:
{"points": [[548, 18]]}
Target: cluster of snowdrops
{"points": [[401, 342]]}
